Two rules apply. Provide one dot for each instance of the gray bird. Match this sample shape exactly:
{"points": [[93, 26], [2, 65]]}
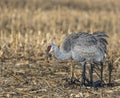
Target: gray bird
{"points": [[82, 47]]}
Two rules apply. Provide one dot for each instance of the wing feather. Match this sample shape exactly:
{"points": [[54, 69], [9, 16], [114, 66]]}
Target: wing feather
{"points": [[85, 45], [102, 41], [69, 40]]}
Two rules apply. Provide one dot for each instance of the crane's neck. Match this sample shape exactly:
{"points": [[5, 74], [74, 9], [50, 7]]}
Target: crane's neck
{"points": [[59, 54]]}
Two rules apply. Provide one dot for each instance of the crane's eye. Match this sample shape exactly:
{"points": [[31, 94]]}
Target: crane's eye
{"points": [[48, 48]]}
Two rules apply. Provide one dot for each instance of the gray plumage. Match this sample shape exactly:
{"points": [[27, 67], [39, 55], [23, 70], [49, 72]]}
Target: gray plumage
{"points": [[84, 47]]}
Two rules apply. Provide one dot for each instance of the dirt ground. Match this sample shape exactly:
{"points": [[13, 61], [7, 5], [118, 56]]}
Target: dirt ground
{"points": [[35, 77], [27, 26]]}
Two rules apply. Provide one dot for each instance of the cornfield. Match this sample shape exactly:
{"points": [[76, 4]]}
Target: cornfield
{"points": [[28, 26]]}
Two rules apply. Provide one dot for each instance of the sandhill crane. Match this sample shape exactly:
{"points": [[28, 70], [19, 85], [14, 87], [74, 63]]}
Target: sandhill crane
{"points": [[82, 47]]}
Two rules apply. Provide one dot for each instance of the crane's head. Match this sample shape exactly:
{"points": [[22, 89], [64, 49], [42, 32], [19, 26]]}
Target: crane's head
{"points": [[51, 48]]}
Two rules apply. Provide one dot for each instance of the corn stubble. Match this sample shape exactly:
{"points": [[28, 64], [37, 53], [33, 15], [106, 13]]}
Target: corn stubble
{"points": [[26, 28]]}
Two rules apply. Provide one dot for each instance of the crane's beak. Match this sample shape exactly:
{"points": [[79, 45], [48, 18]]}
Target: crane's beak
{"points": [[48, 55]]}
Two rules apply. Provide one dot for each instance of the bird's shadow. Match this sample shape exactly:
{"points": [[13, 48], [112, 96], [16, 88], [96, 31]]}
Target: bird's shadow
{"points": [[76, 82], [112, 84]]}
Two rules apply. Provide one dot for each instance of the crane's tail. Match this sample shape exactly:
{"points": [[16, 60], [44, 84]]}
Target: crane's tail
{"points": [[102, 40], [101, 36]]}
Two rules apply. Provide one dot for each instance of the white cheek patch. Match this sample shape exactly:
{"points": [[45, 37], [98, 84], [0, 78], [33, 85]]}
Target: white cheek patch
{"points": [[51, 50]]}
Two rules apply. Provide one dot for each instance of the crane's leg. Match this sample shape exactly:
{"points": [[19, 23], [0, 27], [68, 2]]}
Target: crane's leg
{"points": [[92, 83], [91, 74], [101, 73], [83, 73], [72, 79], [72, 71], [84, 79], [99, 83], [110, 67], [73, 76]]}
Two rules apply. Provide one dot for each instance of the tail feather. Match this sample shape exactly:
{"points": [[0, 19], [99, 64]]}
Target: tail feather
{"points": [[102, 41], [100, 35]]}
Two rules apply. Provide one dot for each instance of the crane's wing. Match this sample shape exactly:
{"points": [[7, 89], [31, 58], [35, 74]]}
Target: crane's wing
{"points": [[71, 39], [85, 40], [90, 46], [85, 47], [97, 40]]}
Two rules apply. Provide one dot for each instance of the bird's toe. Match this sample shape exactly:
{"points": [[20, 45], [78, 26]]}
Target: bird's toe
{"points": [[110, 84], [98, 84]]}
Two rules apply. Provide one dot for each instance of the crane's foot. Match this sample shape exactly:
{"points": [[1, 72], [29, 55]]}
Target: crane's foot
{"points": [[97, 84], [71, 82], [110, 84], [85, 81]]}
